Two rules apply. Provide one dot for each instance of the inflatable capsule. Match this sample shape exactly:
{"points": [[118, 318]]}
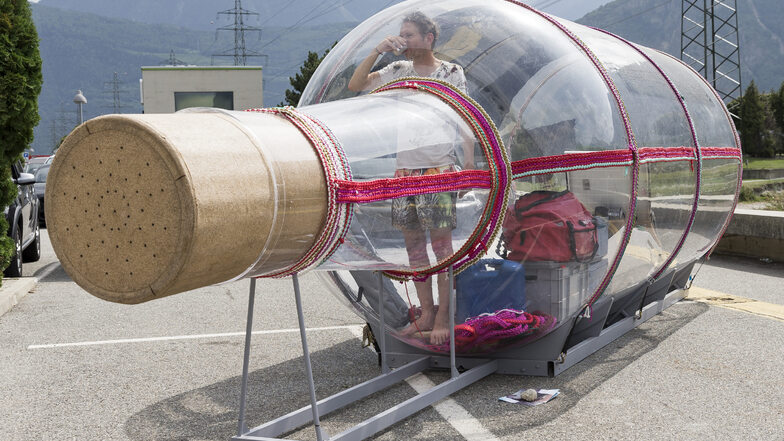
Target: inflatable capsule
{"points": [[551, 165]]}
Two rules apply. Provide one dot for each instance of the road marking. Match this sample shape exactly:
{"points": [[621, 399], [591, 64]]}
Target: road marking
{"points": [[729, 301], [352, 328], [450, 410]]}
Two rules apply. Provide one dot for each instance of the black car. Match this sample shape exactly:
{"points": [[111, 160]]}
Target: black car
{"points": [[40, 191], [22, 217]]}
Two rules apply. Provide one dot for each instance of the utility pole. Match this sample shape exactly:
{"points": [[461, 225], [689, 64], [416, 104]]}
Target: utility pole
{"points": [[173, 61], [62, 124], [115, 91], [240, 53], [710, 44]]}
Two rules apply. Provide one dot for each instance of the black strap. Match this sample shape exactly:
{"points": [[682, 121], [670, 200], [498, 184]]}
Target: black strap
{"points": [[573, 241]]}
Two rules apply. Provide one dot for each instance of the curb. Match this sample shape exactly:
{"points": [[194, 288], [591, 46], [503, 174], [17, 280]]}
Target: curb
{"points": [[13, 290], [754, 233]]}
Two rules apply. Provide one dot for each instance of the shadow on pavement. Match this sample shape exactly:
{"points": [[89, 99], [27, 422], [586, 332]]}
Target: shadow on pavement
{"points": [[578, 381], [57, 274], [211, 412], [746, 264]]}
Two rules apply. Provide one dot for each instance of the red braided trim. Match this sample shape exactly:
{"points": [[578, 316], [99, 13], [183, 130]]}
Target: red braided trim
{"points": [[391, 188], [614, 158]]}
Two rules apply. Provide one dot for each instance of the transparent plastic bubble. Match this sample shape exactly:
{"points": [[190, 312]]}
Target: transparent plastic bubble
{"points": [[557, 93]]}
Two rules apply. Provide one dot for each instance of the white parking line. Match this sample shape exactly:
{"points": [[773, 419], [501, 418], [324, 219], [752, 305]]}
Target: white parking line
{"points": [[353, 328], [469, 427]]}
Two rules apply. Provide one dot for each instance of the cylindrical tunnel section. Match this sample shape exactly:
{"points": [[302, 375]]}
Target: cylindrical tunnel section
{"points": [[145, 206]]}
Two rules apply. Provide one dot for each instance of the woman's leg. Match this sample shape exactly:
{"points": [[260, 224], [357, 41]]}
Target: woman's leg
{"points": [[416, 246], [441, 241]]}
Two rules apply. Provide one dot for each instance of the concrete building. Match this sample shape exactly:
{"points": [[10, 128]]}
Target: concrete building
{"points": [[167, 89]]}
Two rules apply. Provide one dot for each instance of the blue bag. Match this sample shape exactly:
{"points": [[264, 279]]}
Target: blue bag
{"points": [[490, 285]]}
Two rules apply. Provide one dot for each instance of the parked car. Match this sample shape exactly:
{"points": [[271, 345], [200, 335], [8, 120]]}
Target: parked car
{"points": [[40, 190], [22, 217], [33, 164]]}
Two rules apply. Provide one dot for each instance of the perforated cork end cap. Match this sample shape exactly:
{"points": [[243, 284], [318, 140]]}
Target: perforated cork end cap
{"points": [[119, 208]]}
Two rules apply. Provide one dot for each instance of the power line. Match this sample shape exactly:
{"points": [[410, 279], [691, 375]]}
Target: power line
{"points": [[302, 20], [547, 5], [286, 70], [637, 14], [291, 2]]}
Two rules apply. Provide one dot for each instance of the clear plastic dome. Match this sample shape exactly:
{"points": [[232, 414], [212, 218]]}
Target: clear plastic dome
{"points": [[623, 151]]}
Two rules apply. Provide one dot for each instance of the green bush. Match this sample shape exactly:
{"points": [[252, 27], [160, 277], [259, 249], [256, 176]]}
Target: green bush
{"points": [[20, 84]]}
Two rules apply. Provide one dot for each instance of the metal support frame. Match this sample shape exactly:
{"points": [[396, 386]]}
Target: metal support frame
{"points": [[550, 355], [312, 413], [544, 357], [710, 43], [580, 351]]}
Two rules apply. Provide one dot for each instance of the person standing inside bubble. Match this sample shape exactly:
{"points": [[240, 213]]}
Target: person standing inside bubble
{"points": [[416, 216]]}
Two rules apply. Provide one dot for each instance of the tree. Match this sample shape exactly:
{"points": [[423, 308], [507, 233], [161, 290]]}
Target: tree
{"points": [[777, 107], [300, 81], [20, 84], [752, 120]]}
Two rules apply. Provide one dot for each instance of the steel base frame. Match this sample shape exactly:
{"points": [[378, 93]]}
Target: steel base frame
{"points": [[550, 355], [545, 357], [312, 413]]}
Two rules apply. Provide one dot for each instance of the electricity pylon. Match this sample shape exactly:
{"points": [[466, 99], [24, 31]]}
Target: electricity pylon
{"points": [[710, 44], [240, 52]]}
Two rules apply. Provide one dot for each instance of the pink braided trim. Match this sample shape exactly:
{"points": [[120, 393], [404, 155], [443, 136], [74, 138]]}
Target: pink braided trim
{"points": [[335, 166], [721, 152], [498, 162], [490, 331], [737, 144], [614, 158], [630, 137], [695, 141], [391, 188]]}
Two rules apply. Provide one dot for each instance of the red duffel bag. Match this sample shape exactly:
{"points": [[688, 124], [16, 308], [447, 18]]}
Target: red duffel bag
{"points": [[548, 225]]}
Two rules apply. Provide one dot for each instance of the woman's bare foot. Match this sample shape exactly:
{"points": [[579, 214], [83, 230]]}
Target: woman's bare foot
{"points": [[440, 332], [422, 324]]}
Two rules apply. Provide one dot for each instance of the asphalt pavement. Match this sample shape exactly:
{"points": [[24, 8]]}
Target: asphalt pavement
{"points": [[76, 367]]}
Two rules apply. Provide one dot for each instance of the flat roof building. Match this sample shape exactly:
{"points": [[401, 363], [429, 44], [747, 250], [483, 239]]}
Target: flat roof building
{"points": [[167, 89]]}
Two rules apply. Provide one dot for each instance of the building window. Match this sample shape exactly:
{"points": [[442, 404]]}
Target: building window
{"points": [[222, 100]]}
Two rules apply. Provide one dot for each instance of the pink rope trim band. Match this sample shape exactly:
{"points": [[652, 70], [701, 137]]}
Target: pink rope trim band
{"points": [[739, 183], [335, 166], [497, 160], [391, 188], [635, 165]]}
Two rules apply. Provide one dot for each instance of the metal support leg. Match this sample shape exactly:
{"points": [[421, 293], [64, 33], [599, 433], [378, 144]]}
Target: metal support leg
{"points": [[382, 343], [452, 300], [246, 359], [306, 356]]}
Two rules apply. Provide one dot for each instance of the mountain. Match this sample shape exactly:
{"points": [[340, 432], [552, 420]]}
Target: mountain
{"points": [[84, 42], [202, 14], [83, 51], [657, 25]]}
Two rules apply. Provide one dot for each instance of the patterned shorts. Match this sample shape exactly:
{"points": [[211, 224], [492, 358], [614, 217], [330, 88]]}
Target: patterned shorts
{"points": [[425, 211]]}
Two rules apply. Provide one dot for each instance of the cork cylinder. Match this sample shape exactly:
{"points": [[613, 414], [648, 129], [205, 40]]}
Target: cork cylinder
{"points": [[140, 207]]}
